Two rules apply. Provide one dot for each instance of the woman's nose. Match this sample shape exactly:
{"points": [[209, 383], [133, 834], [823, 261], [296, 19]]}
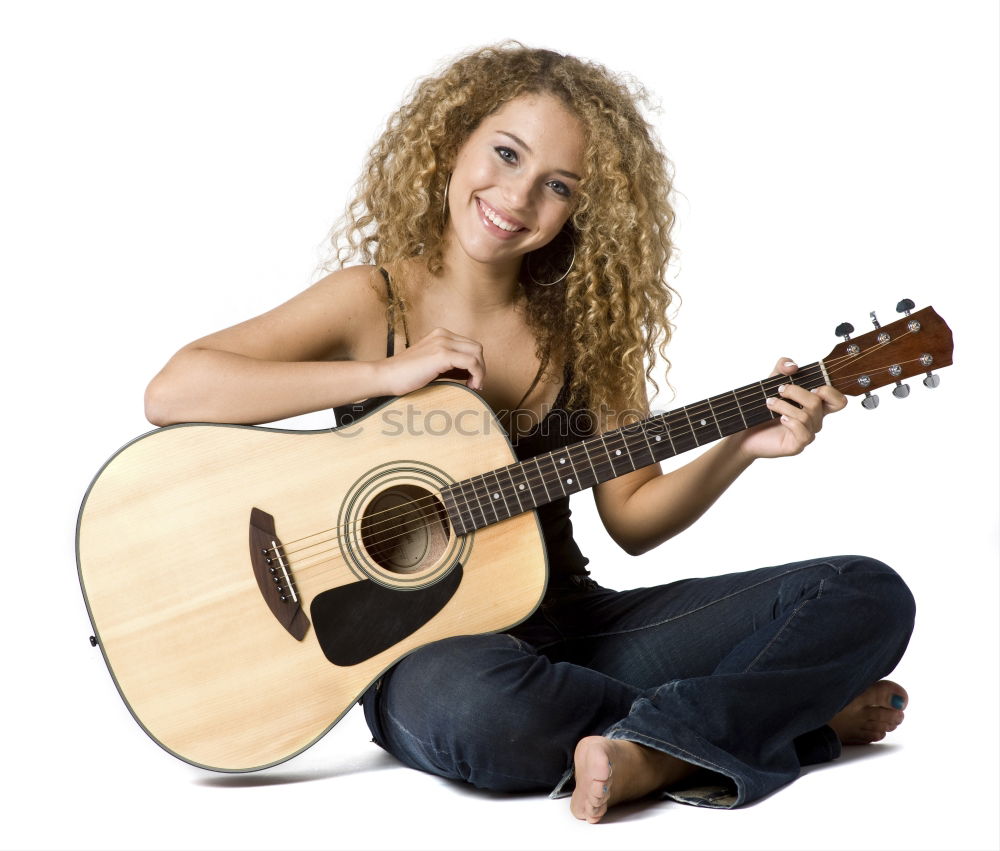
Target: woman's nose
{"points": [[517, 191]]}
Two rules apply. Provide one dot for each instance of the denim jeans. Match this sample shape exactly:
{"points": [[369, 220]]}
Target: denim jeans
{"points": [[737, 674]]}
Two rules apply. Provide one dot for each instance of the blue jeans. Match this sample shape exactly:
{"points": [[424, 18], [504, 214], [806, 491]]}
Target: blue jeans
{"points": [[737, 674]]}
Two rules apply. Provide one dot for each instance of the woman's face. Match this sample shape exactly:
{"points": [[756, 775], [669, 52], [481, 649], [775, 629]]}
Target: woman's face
{"points": [[515, 180]]}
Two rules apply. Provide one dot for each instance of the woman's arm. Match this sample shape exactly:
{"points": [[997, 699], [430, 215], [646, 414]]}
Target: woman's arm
{"points": [[301, 357], [643, 509], [288, 361]]}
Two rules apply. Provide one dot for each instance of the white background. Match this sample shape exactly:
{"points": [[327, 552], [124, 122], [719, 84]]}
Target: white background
{"points": [[171, 168]]}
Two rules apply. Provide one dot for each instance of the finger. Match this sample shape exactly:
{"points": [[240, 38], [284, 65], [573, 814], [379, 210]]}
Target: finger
{"points": [[784, 407], [462, 356], [833, 400], [799, 400], [785, 366], [467, 367], [807, 401]]}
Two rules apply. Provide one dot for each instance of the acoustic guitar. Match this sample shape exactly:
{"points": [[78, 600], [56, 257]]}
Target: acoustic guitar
{"points": [[246, 585]]}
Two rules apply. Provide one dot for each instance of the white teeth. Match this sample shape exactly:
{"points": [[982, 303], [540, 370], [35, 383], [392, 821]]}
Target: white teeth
{"points": [[494, 217]]}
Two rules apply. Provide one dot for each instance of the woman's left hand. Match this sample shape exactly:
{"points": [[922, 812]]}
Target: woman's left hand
{"points": [[797, 425]]}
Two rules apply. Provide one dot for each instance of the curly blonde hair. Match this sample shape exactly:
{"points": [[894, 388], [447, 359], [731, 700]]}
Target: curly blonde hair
{"points": [[607, 319]]}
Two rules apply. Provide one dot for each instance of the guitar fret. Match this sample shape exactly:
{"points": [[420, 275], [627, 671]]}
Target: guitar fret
{"points": [[624, 435], [763, 390], [574, 480], [607, 455], [470, 485], [514, 486], [490, 496], [501, 495], [754, 406], [481, 493], [691, 426], [739, 408], [590, 462], [448, 497], [541, 478], [685, 434], [661, 423], [615, 456], [579, 458], [649, 447], [715, 417], [555, 471], [468, 505], [635, 439], [725, 421]]}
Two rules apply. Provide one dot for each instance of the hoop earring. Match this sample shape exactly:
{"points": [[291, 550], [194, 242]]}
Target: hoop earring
{"points": [[444, 202], [526, 266]]}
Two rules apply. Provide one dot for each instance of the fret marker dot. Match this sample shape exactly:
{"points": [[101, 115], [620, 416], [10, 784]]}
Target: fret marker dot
{"points": [[496, 496], [569, 481], [562, 460], [521, 487], [658, 437], [618, 452], [703, 422]]}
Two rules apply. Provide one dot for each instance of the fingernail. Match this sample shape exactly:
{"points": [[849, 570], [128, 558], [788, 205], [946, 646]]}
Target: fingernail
{"points": [[790, 363], [770, 401], [897, 701]]}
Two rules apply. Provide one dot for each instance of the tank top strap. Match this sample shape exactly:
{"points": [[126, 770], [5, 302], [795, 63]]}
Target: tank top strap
{"points": [[390, 340], [538, 375]]}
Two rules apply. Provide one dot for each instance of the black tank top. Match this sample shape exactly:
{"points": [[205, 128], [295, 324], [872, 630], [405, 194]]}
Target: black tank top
{"points": [[558, 428]]}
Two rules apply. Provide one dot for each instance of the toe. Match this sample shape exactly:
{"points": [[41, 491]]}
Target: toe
{"points": [[889, 695]]}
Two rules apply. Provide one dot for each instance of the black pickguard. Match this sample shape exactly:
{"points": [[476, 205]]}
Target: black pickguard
{"points": [[355, 622]]}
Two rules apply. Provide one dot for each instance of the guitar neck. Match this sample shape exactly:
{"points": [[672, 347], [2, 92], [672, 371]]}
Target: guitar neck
{"points": [[499, 494]]}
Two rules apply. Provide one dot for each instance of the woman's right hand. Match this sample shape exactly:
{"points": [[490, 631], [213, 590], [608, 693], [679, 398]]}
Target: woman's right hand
{"points": [[441, 353]]}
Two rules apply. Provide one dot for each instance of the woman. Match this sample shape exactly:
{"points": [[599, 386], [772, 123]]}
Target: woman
{"points": [[513, 227]]}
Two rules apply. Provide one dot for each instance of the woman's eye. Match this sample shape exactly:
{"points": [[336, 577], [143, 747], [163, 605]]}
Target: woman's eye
{"points": [[506, 154], [560, 188]]}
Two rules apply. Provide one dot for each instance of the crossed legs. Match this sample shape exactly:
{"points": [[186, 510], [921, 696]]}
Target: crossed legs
{"points": [[747, 675]]}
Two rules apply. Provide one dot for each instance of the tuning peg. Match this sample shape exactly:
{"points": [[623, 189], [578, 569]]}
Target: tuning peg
{"points": [[905, 306], [932, 380], [875, 321], [844, 329], [870, 402], [901, 391]]}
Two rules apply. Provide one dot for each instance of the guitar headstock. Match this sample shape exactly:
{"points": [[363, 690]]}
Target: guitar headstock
{"points": [[919, 343]]}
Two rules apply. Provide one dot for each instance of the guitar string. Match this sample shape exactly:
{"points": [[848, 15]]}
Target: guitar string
{"points": [[624, 435], [412, 510], [532, 481], [630, 441]]}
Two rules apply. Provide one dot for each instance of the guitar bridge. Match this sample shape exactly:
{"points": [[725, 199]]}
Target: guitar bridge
{"points": [[274, 575]]}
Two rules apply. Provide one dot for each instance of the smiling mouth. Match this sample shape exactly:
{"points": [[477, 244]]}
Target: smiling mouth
{"points": [[497, 220]]}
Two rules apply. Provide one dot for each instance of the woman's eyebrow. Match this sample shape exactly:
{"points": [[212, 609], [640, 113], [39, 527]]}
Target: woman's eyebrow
{"points": [[527, 147]]}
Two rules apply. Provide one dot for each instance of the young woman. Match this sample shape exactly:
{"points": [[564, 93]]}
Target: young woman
{"points": [[513, 227]]}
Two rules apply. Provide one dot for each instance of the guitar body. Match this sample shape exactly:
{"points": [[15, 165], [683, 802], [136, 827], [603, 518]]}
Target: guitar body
{"points": [[173, 584]]}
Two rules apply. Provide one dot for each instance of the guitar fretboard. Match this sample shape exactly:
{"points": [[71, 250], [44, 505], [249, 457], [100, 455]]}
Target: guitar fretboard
{"points": [[500, 494]]}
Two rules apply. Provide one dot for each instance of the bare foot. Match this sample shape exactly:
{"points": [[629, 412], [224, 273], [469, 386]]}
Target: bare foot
{"points": [[610, 771], [873, 713]]}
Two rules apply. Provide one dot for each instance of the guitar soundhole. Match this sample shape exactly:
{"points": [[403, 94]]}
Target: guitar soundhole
{"points": [[404, 529]]}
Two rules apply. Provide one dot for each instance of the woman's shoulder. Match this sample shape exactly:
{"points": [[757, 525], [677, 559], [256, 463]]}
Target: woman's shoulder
{"points": [[357, 284], [354, 301]]}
